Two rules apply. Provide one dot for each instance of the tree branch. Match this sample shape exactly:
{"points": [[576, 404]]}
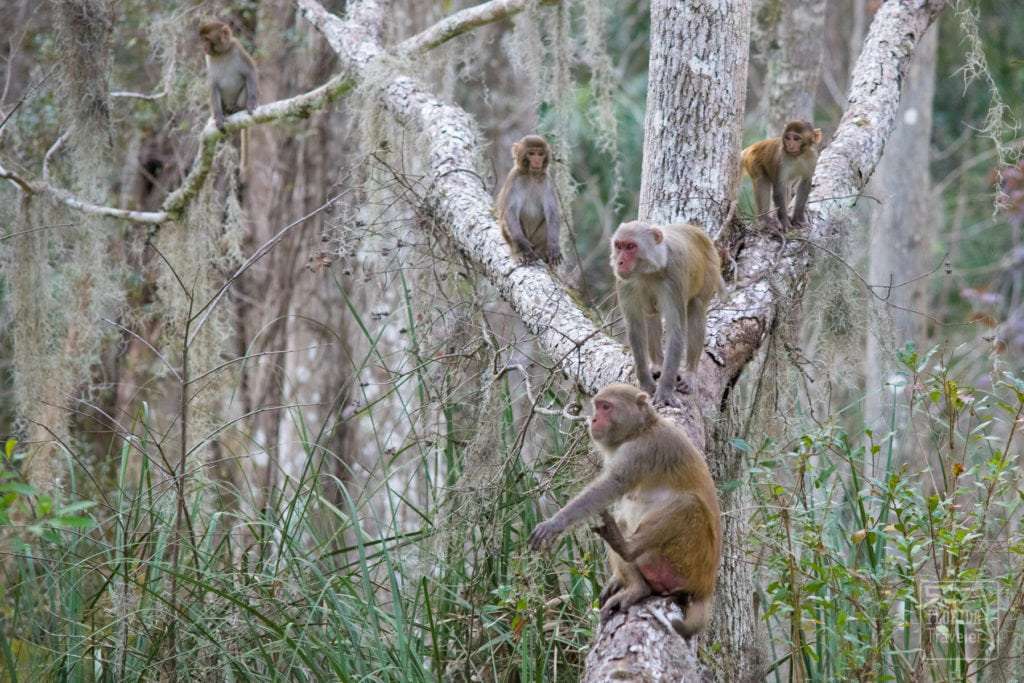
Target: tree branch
{"points": [[465, 20], [300, 106]]}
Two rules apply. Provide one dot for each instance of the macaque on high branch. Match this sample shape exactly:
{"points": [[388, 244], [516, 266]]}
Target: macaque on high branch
{"points": [[775, 164]]}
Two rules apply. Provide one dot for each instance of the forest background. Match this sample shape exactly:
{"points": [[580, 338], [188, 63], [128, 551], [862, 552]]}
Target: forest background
{"points": [[295, 428]]}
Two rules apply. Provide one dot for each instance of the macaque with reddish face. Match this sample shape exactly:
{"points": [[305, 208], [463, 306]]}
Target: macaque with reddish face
{"points": [[528, 203], [668, 273], [774, 165], [665, 534]]}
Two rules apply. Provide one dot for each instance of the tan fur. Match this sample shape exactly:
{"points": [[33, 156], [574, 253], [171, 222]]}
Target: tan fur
{"points": [[666, 511], [675, 279], [528, 205], [232, 78], [773, 171]]}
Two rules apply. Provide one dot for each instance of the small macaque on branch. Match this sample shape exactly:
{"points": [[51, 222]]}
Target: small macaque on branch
{"points": [[665, 272], [665, 534], [774, 165], [528, 203], [230, 72]]}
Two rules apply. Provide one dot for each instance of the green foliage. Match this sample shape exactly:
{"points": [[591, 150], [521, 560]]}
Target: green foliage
{"points": [[916, 570]]}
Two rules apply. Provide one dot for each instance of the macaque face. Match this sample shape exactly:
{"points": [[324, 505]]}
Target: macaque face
{"points": [[603, 420], [793, 142], [625, 256], [216, 39], [636, 251], [536, 157]]}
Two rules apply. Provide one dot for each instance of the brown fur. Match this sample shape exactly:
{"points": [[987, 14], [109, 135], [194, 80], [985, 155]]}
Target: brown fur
{"points": [[666, 517], [528, 205], [232, 77], [773, 169], [674, 264]]}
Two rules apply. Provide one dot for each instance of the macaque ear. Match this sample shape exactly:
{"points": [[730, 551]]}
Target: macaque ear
{"points": [[817, 136], [658, 237], [641, 399]]}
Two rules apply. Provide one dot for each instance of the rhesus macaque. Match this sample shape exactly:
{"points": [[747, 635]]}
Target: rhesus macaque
{"points": [[668, 272], [775, 164], [230, 71], [528, 204], [665, 504]]}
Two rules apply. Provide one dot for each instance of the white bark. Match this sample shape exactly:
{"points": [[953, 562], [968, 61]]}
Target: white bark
{"points": [[695, 97], [902, 230]]}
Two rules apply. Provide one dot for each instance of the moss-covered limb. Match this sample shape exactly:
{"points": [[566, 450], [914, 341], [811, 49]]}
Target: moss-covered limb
{"points": [[29, 187], [465, 20], [300, 106]]}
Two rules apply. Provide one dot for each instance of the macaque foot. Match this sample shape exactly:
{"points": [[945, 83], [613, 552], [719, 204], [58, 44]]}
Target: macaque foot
{"points": [[686, 385], [554, 258], [666, 396], [624, 599], [610, 589]]}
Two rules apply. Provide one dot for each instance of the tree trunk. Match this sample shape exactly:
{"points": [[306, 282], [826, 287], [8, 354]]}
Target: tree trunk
{"points": [[696, 88], [902, 231], [696, 92], [795, 67]]}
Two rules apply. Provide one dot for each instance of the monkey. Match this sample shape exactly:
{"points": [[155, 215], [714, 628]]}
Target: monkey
{"points": [[528, 204], [668, 272], [776, 163], [664, 499], [231, 75]]}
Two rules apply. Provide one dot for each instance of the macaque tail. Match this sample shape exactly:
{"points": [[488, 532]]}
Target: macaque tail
{"points": [[243, 156], [696, 615]]}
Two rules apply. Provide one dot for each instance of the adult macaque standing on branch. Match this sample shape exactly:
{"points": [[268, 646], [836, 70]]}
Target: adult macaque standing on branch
{"points": [[668, 272], [775, 164], [231, 74], [665, 501], [528, 203]]}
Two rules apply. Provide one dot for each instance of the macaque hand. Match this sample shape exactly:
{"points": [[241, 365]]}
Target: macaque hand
{"points": [[545, 534], [666, 396], [554, 256]]}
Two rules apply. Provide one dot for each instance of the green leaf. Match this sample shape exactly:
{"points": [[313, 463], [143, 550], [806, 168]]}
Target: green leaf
{"points": [[76, 507], [9, 447], [73, 522], [18, 487]]}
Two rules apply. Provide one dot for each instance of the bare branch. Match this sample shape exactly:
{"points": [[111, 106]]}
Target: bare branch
{"points": [[465, 20], [138, 95], [300, 106]]}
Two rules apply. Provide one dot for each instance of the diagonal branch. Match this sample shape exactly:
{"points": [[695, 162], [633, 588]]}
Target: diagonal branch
{"points": [[465, 20]]}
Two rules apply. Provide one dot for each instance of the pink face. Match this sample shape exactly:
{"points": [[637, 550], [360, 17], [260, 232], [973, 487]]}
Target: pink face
{"points": [[793, 142], [601, 422], [625, 256], [536, 156]]}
